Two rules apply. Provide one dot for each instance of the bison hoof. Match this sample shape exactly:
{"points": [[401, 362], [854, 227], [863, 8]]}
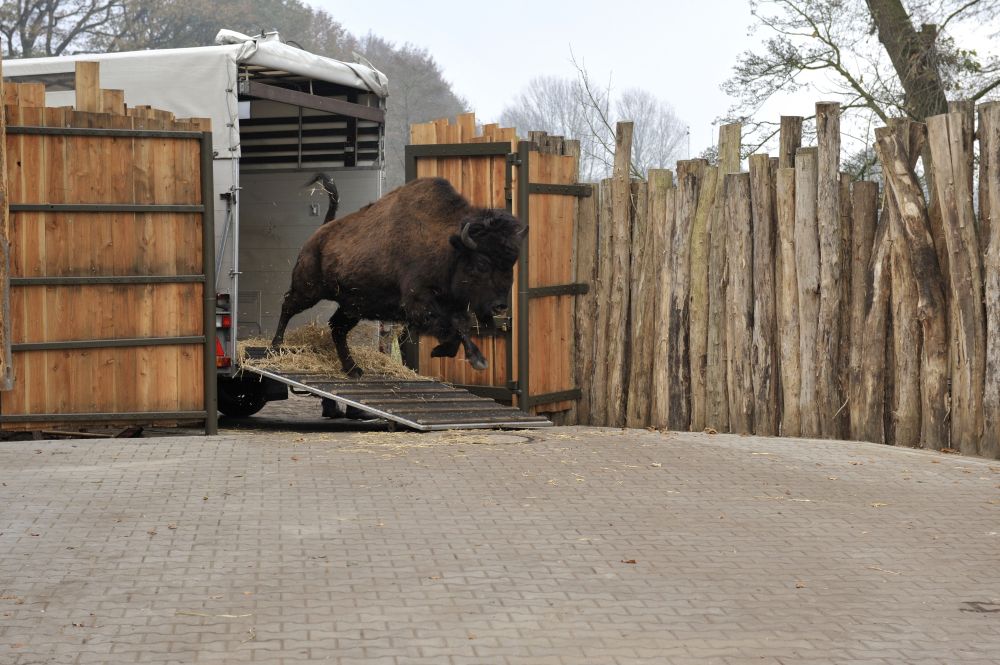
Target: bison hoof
{"points": [[479, 363], [355, 372]]}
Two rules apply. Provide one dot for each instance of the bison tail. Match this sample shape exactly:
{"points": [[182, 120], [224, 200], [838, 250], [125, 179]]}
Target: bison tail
{"points": [[327, 184]]}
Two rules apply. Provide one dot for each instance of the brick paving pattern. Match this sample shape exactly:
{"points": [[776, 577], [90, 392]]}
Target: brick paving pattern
{"points": [[569, 545]]}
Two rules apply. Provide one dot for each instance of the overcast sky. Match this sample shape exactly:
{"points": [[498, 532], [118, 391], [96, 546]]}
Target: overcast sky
{"points": [[678, 50]]}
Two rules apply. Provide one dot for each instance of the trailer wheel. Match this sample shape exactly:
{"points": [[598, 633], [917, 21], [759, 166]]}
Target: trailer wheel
{"points": [[240, 397]]}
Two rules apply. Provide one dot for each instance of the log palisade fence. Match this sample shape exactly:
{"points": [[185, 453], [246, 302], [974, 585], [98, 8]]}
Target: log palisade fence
{"points": [[790, 300]]}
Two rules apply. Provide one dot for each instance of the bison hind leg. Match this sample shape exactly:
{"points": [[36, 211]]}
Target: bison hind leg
{"points": [[341, 323], [293, 303]]}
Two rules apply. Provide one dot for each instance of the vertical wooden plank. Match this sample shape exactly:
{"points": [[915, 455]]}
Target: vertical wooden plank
{"points": [[6, 359], [739, 313], [829, 399], [602, 345], [717, 394], [807, 273], [699, 299], [844, 357], [662, 219], [764, 352], [951, 180], [677, 296], [88, 87], [618, 331], [586, 304], [864, 218], [989, 207], [787, 303], [642, 303], [905, 405]]}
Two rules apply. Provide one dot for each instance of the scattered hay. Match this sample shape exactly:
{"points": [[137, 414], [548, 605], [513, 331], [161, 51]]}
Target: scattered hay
{"points": [[310, 349]]}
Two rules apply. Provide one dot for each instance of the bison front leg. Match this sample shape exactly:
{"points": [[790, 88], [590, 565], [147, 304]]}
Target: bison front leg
{"points": [[341, 323]]}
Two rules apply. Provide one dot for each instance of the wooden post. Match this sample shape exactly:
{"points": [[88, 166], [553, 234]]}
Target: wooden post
{"points": [[846, 277], [864, 218], [88, 87], [898, 148], [690, 180], [790, 138], [739, 312], [586, 304], [602, 325], [788, 306], [807, 272], [989, 207], [765, 367], [717, 394], [968, 348], [662, 217], [6, 370], [621, 236], [698, 330], [828, 394], [642, 304]]}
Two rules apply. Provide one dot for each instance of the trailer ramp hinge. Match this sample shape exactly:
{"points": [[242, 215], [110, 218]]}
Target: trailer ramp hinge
{"points": [[514, 159]]}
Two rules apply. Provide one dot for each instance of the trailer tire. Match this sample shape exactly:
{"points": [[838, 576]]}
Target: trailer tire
{"points": [[241, 397]]}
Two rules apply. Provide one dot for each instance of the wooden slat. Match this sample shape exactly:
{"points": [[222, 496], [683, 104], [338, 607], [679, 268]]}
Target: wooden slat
{"points": [[88, 87]]}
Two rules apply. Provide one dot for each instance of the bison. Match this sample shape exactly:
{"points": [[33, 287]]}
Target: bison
{"points": [[420, 255]]}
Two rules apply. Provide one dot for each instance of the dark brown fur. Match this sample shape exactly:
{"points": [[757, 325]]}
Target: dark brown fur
{"points": [[402, 259]]}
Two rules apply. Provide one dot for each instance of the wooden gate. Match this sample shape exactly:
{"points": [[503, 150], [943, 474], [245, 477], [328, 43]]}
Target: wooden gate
{"points": [[531, 354], [111, 248]]}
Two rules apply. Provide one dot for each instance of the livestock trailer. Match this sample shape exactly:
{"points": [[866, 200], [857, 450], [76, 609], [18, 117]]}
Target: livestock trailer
{"points": [[279, 115]]}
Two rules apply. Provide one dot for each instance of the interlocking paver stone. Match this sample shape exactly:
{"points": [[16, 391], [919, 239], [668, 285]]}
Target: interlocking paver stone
{"points": [[573, 545]]}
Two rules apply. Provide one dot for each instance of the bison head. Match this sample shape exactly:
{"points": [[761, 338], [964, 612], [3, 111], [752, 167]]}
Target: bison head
{"points": [[486, 249]]}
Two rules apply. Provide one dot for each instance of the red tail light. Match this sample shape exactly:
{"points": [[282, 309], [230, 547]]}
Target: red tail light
{"points": [[221, 359]]}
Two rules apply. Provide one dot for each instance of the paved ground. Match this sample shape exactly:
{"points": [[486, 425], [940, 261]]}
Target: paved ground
{"points": [[567, 546]]}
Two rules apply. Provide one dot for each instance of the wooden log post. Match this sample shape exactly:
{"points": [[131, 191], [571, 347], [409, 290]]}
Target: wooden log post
{"points": [[662, 217], [716, 388], [621, 238], [642, 304], [790, 138], [740, 300], [897, 148], [698, 302], [764, 347], [807, 273], [864, 219], [871, 397], [602, 325], [846, 277], [989, 208], [787, 302], [586, 304], [828, 394], [691, 179], [968, 346], [6, 368]]}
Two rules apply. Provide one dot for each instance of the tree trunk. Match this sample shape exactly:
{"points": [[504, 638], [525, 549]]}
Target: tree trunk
{"points": [[913, 57]]}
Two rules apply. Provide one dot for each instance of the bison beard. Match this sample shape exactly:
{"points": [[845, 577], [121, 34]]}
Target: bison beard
{"points": [[420, 255]]}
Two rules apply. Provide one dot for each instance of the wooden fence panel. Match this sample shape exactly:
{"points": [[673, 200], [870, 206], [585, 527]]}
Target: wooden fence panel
{"points": [[81, 346]]}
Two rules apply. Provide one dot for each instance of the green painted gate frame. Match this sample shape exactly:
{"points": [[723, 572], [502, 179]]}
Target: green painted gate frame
{"points": [[525, 189]]}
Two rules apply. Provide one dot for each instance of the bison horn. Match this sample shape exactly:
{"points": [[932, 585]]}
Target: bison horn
{"points": [[466, 239]]}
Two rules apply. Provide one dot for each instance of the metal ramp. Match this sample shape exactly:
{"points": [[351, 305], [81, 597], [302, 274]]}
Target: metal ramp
{"points": [[420, 404]]}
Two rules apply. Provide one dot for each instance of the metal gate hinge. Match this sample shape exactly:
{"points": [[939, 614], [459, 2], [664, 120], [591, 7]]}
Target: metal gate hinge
{"points": [[514, 159]]}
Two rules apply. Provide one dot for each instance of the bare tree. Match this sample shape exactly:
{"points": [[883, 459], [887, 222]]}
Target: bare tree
{"points": [[870, 54], [33, 28], [579, 109]]}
